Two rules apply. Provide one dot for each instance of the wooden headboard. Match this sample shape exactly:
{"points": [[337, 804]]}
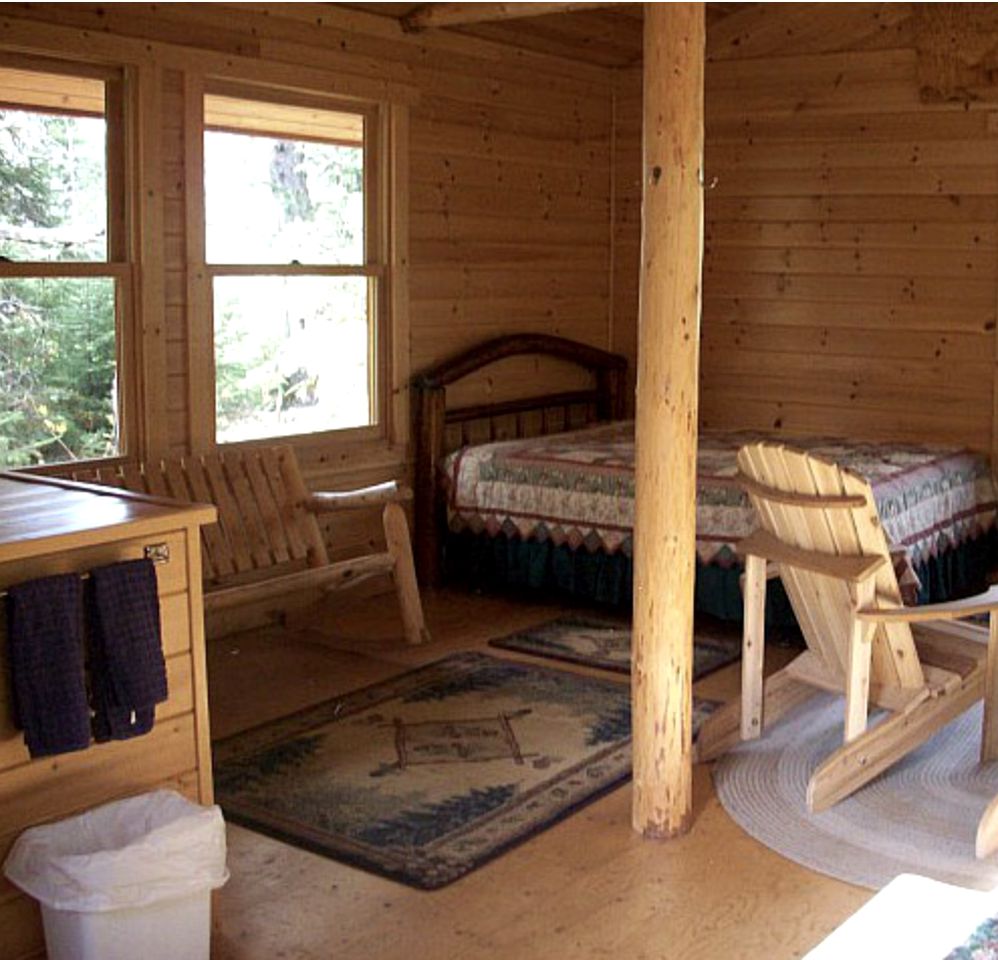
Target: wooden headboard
{"points": [[438, 430]]}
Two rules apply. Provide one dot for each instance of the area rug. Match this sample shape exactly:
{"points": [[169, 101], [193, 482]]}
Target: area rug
{"points": [[428, 775], [920, 816], [596, 642]]}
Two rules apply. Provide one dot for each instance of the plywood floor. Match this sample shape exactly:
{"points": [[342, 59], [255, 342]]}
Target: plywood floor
{"points": [[586, 888]]}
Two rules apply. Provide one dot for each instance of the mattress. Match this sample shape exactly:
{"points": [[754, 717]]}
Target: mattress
{"points": [[577, 488]]}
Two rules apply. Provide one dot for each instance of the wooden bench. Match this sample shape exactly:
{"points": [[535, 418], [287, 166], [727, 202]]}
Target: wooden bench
{"points": [[267, 542]]}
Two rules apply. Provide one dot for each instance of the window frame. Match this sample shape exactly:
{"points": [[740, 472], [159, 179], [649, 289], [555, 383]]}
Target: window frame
{"points": [[377, 265], [122, 253]]}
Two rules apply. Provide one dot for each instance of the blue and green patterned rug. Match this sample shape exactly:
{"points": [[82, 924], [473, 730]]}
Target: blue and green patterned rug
{"points": [[605, 643], [424, 777]]}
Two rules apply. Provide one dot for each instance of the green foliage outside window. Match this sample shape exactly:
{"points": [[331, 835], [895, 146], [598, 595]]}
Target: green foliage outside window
{"points": [[57, 334], [57, 370]]}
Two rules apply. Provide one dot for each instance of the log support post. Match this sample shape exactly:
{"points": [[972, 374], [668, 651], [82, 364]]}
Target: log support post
{"points": [[666, 421]]}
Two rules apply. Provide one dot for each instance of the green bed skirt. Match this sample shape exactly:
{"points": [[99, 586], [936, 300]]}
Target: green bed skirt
{"points": [[506, 564]]}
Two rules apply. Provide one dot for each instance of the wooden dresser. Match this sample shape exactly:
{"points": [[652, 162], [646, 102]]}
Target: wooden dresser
{"points": [[50, 526]]}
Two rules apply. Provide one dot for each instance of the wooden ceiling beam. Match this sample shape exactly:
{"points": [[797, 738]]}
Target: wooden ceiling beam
{"points": [[461, 14]]}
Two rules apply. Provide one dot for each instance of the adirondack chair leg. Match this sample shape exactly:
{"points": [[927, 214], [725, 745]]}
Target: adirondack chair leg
{"points": [[987, 831], [858, 665], [989, 734], [753, 646], [404, 573], [721, 731], [859, 761]]}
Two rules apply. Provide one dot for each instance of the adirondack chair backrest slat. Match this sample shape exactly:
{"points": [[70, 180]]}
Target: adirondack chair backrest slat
{"points": [[823, 604], [776, 518]]}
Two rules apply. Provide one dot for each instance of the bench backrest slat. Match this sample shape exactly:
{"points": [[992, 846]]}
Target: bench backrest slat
{"points": [[263, 523]]}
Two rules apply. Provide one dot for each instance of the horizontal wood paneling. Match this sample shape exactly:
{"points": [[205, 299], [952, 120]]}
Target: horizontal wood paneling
{"points": [[850, 275], [626, 218], [851, 272], [827, 313]]}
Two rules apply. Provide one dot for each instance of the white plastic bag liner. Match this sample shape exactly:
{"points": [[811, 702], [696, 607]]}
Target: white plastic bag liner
{"points": [[126, 854]]}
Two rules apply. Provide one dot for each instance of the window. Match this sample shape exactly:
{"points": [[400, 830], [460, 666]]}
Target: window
{"points": [[63, 271], [294, 258]]}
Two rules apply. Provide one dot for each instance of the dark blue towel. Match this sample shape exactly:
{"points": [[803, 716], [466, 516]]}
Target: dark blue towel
{"points": [[45, 647], [128, 673]]}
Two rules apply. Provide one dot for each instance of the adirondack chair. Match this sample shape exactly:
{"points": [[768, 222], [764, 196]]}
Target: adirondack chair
{"points": [[267, 542], [819, 524]]}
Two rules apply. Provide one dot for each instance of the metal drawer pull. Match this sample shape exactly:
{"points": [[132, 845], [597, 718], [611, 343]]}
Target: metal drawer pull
{"points": [[157, 552]]}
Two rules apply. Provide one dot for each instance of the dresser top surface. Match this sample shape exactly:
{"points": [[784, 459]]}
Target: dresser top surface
{"points": [[35, 509]]}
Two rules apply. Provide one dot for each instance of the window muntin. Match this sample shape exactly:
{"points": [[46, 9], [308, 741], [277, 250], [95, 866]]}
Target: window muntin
{"points": [[295, 288], [61, 284]]}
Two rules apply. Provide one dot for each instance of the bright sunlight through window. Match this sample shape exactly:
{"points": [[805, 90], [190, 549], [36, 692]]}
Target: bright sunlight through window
{"points": [[285, 212]]}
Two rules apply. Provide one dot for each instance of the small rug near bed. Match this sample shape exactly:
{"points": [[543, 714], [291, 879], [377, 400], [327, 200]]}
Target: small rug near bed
{"points": [[424, 777], [605, 643], [920, 816]]}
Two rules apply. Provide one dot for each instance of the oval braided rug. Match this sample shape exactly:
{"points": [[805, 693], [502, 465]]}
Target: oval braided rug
{"points": [[920, 816]]}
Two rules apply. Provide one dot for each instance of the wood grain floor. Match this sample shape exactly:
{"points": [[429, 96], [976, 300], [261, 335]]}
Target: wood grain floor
{"points": [[588, 887]]}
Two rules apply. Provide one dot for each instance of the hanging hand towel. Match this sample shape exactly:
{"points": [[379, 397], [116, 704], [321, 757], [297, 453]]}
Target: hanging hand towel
{"points": [[45, 644], [128, 673]]}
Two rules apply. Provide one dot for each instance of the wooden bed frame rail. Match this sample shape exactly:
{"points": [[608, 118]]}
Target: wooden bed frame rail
{"points": [[504, 420]]}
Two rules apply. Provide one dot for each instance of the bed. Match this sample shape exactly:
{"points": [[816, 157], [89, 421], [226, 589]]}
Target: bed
{"points": [[546, 503]]}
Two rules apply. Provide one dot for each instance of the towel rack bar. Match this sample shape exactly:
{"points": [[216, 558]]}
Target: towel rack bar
{"points": [[159, 553]]}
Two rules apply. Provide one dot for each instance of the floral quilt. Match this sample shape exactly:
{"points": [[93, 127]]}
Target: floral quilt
{"points": [[577, 488], [981, 945]]}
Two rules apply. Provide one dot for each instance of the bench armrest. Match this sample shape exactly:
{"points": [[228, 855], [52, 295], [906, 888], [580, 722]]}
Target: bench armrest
{"points": [[379, 494], [986, 602]]}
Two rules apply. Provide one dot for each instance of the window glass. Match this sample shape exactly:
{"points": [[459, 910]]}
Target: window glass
{"points": [[53, 189], [282, 200], [293, 295], [53, 169], [292, 355]]}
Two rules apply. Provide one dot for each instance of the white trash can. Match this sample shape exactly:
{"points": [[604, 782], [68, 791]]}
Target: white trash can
{"points": [[131, 879]]}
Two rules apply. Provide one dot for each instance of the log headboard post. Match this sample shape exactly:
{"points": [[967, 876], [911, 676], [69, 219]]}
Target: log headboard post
{"points": [[429, 504], [611, 402], [605, 401]]}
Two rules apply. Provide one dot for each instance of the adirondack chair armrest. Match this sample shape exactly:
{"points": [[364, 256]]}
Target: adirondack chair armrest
{"points": [[986, 602], [763, 544], [377, 495]]}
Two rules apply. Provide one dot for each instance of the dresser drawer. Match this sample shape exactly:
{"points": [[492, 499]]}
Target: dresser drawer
{"points": [[171, 572]]}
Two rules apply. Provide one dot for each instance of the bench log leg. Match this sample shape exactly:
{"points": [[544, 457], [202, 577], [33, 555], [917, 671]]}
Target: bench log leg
{"points": [[404, 573]]}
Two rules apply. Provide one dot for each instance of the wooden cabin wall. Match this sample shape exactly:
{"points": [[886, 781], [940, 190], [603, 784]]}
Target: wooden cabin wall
{"points": [[626, 229], [851, 224], [509, 188]]}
